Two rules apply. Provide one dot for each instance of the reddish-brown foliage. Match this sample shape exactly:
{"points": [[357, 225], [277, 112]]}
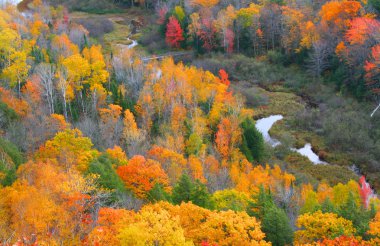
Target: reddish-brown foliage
{"points": [[174, 33]]}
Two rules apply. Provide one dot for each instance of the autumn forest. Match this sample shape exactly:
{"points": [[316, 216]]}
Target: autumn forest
{"points": [[190, 122]]}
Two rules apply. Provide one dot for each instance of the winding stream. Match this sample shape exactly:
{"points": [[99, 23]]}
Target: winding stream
{"points": [[309, 153], [265, 124], [128, 46], [133, 44]]}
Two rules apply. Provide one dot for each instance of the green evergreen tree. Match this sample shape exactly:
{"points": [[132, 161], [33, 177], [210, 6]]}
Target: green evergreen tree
{"points": [[200, 195], [359, 216], [276, 226], [157, 193], [259, 203], [327, 206], [108, 177], [9, 166], [182, 190], [275, 222], [188, 191], [253, 142]]}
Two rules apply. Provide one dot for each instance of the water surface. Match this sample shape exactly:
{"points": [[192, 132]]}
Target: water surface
{"points": [[265, 124], [309, 153]]}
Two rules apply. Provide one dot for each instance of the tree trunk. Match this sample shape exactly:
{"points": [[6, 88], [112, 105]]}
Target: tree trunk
{"points": [[64, 105]]}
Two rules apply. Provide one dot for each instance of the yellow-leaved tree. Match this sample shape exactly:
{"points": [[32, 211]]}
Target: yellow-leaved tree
{"points": [[318, 225], [153, 226]]}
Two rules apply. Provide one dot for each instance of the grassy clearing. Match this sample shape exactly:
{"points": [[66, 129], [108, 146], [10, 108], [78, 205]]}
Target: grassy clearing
{"points": [[304, 170], [121, 33], [268, 103]]}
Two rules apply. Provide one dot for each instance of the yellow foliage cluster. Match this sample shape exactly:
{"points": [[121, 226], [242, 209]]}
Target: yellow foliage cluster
{"points": [[186, 224], [321, 225]]}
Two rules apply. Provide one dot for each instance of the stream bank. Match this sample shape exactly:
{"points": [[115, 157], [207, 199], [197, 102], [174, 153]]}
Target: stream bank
{"points": [[264, 125]]}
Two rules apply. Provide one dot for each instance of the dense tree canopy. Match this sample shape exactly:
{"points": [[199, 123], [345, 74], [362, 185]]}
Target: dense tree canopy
{"points": [[107, 147]]}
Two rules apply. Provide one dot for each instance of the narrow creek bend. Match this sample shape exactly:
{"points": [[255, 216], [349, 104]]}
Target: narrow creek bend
{"points": [[309, 153], [263, 125]]}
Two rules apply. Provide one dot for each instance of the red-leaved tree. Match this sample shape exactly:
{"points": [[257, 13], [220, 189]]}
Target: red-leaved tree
{"points": [[174, 33], [207, 34], [365, 191], [372, 68], [224, 77]]}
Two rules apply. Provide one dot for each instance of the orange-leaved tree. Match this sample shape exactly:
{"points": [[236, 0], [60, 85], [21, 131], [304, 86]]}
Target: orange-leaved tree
{"points": [[140, 175]]}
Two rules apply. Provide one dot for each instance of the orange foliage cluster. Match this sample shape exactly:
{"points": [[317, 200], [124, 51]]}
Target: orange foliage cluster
{"points": [[140, 175], [270, 178], [18, 105], [343, 241]]}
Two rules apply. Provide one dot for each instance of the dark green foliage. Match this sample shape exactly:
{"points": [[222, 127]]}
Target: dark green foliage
{"points": [[157, 193], [10, 177], [263, 200], [188, 191], [155, 130], [276, 57], [6, 115], [275, 222], [37, 54], [200, 195], [359, 216], [9, 169], [375, 4], [246, 151], [108, 177], [119, 99], [327, 206], [276, 226], [13, 152], [347, 79], [253, 142], [350, 210], [182, 190]]}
